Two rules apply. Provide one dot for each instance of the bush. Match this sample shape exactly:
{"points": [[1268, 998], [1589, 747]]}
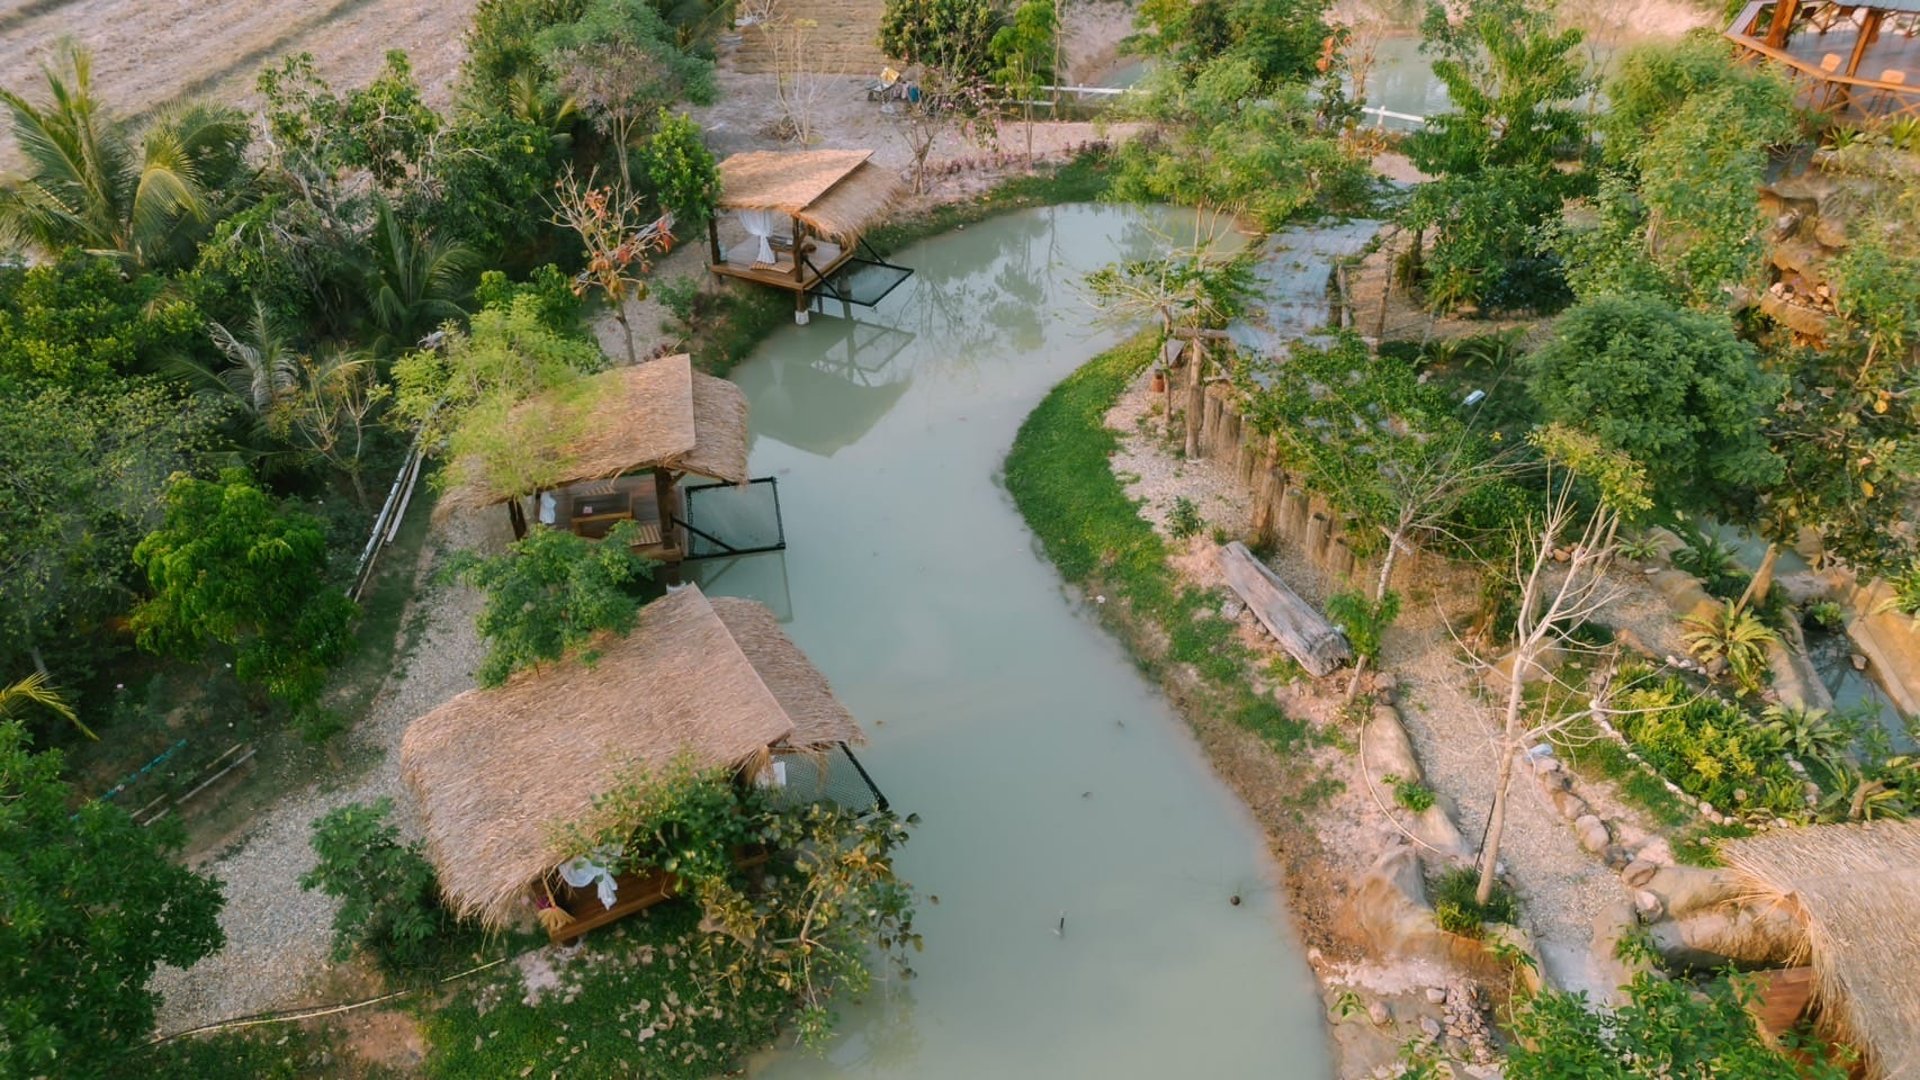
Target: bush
{"points": [[389, 897], [1826, 616], [1411, 795], [1184, 520], [1457, 912], [1710, 747]]}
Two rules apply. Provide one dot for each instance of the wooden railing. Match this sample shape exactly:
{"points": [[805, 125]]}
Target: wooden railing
{"points": [[1829, 91]]}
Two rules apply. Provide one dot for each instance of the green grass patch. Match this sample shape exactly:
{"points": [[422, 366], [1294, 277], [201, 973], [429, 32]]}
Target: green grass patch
{"points": [[1457, 912], [1059, 476], [269, 1052], [1084, 179], [639, 998]]}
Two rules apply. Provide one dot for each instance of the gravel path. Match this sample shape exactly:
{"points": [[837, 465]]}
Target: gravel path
{"points": [[278, 936]]}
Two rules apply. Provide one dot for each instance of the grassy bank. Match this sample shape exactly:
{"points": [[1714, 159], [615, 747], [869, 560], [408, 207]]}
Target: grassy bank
{"points": [[1059, 477], [737, 317]]}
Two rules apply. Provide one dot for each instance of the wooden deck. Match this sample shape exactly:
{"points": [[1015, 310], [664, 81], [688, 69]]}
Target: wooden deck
{"points": [[1856, 65], [632, 893], [593, 508], [822, 259]]}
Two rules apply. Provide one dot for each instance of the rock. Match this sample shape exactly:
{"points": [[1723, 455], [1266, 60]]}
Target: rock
{"points": [[1570, 806], [1430, 1027], [1233, 609], [1639, 871], [1386, 749], [1437, 995], [1435, 828], [1389, 905], [1859, 662], [1646, 905], [1690, 888], [1550, 782], [1543, 763], [1593, 833], [1617, 856], [1378, 1012]]}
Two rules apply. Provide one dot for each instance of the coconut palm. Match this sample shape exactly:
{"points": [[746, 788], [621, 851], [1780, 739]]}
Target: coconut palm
{"points": [[416, 282], [262, 366], [1736, 635], [36, 690], [95, 183]]}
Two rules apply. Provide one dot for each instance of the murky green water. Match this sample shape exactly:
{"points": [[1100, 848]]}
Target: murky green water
{"points": [[1052, 780]]}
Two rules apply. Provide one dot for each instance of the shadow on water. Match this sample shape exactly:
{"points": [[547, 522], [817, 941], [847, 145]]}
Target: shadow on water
{"points": [[1052, 780]]}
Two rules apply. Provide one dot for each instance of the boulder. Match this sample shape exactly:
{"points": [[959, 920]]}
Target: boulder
{"points": [[1593, 833], [1638, 873], [1685, 889], [1570, 806], [1389, 905], [1386, 749], [1435, 827]]}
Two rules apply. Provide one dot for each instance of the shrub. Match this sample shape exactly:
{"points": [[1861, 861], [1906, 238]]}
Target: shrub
{"points": [[1363, 620], [389, 897], [1826, 616], [1457, 912], [1184, 520], [1736, 635], [1411, 795], [1708, 746]]}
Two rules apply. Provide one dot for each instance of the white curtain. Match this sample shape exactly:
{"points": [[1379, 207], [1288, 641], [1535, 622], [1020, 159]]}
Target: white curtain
{"points": [[760, 225], [583, 871]]}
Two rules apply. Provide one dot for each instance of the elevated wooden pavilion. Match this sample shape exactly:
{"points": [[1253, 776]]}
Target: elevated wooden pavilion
{"points": [[499, 774], [801, 213], [610, 448], [1859, 61]]}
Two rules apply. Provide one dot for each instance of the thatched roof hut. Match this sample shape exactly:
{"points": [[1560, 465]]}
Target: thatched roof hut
{"points": [[661, 414], [1853, 889], [834, 193], [498, 771]]}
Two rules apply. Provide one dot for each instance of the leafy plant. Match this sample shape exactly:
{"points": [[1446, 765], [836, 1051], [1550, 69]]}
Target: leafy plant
{"points": [[1828, 616], [1456, 910], [551, 593], [389, 897], [94, 904], [1641, 547], [1410, 795], [1735, 635], [1812, 735], [1904, 133], [229, 567], [1364, 621], [1691, 1034], [1906, 590], [1708, 746], [1708, 558], [1184, 519]]}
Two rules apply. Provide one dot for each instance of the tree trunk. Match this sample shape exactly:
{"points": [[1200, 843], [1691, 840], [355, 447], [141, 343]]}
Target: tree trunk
{"points": [[1509, 738], [1379, 593], [1756, 591], [1196, 397], [626, 328]]}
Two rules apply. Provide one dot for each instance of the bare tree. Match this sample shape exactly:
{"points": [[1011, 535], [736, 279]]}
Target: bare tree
{"points": [[620, 239], [799, 84], [327, 410], [938, 105], [622, 87], [1561, 574]]}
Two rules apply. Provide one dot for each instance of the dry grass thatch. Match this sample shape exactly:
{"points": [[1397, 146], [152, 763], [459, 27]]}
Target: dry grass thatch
{"points": [[1853, 889], [835, 193], [499, 772], [660, 414]]}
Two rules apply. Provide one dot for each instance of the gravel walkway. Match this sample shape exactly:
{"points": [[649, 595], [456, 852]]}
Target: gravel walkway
{"points": [[279, 936]]}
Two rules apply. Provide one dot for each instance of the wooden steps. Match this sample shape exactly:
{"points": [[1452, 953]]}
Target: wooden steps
{"points": [[844, 39]]}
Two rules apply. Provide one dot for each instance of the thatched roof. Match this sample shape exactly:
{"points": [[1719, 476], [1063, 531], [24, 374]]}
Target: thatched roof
{"points": [[660, 414], [498, 771], [835, 193], [1853, 888]]}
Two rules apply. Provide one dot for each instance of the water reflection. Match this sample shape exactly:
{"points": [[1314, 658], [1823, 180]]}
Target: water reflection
{"points": [[1051, 779]]}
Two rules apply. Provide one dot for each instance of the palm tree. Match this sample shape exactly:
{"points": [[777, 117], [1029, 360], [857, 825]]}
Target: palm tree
{"points": [[262, 366], [416, 282], [92, 182], [35, 689]]}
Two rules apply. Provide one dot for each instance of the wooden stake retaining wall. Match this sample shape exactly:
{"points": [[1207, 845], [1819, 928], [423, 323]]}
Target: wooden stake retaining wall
{"points": [[1284, 511]]}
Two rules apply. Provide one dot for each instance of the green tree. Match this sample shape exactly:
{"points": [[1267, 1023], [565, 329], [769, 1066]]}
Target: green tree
{"points": [[485, 182], [1498, 156], [415, 281], [229, 567], [952, 37], [506, 353], [502, 48], [81, 476], [78, 323], [93, 904], [1276, 41], [1673, 389], [551, 594], [1023, 52], [95, 182], [1693, 1035], [685, 178], [383, 129], [389, 897]]}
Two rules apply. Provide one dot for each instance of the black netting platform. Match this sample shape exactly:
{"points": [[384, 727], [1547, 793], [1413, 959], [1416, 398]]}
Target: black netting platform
{"points": [[836, 778], [734, 519], [860, 281]]}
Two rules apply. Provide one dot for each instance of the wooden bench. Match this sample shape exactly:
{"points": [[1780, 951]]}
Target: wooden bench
{"points": [[632, 893]]}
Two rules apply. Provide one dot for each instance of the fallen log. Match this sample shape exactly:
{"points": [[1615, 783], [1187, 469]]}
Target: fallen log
{"points": [[1307, 636]]}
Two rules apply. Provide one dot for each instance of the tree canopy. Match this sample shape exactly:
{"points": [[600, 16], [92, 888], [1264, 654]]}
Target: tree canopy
{"points": [[92, 903], [1673, 389]]}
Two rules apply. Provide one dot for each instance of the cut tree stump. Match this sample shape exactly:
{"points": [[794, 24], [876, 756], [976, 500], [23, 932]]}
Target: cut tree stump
{"points": [[1307, 636]]}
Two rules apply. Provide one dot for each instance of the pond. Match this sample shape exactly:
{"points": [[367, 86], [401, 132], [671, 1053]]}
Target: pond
{"points": [[1083, 854]]}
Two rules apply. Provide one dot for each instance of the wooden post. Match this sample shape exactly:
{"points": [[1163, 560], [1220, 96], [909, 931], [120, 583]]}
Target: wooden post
{"points": [[1263, 509], [663, 481], [518, 516], [799, 280], [1784, 12], [1868, 31], [1318, 529], [1290, 502], [1302, 509], [713, 238], [1340, 557]]}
